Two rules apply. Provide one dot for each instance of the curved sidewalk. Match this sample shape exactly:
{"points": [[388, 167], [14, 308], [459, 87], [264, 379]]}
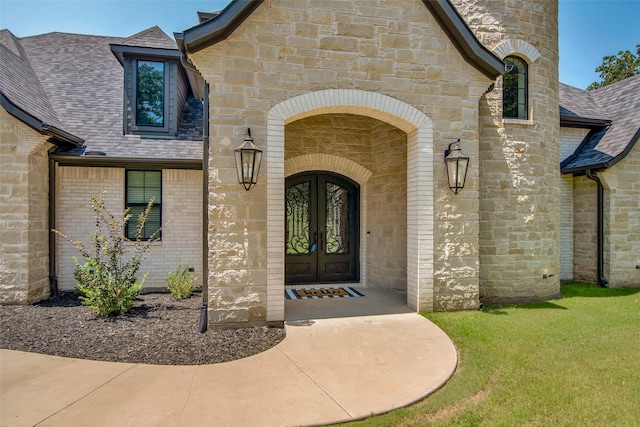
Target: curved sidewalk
{"points": [[324, 371]]}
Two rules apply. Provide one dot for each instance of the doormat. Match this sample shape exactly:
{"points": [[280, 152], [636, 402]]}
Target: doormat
{"points": [[321, 293]]}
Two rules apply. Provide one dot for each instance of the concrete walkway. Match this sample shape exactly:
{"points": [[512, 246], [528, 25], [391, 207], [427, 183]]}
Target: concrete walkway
{"points": [[326, 370]]}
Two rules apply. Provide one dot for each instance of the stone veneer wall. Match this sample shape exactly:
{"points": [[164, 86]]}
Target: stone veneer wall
{"points": [[181, 212], [387, 210], [584, 230], [24, 208], [622, 219], [519, 173], [570, 139], [343, 135], [286, 49], [382, 149]]}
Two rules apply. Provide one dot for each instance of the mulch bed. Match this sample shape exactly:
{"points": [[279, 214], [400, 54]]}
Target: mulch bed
{"points": [[158, 330]]}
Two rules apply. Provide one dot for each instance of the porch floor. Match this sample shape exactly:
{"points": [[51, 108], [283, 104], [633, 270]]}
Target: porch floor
{"points": [[375, 302], [342, 359]]}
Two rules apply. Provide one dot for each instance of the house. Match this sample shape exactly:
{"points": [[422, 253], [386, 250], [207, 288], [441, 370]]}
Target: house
{"points": [[600, 218], [74, 122], [353, 104]]}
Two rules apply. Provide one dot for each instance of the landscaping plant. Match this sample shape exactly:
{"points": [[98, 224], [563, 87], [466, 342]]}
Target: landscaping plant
{"points": [[180, 283], [106, 281]]}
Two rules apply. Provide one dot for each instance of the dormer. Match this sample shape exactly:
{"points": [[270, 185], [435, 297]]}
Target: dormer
{"points": [[155, 84]]}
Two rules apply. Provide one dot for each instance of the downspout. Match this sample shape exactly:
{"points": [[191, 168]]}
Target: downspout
{"points": [[205, 213], [600, 226], [53, 255]]}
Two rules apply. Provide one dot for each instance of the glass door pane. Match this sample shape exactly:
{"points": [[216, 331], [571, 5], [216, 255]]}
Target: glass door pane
{"points": [[337, 219], [298, 221]]}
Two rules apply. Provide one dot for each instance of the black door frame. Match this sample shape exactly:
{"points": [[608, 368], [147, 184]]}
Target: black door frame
{"points": [[319, 258]]}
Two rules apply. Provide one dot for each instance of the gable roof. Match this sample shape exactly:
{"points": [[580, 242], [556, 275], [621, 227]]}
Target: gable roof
{"points": [[74, 82], [220, 26], [151, 37], [152, 41], [22, 94], [613, 114]]}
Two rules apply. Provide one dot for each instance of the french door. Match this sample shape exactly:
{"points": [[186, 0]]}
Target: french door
{"points": [[322, 236]]}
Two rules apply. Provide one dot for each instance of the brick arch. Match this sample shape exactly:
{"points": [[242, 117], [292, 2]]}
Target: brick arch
{"points": [[327, 162], [519, 48], [420, 183]]}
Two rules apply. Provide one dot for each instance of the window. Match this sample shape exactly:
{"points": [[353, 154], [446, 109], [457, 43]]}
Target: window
{"points": [[514, 89], [150, 93], [141, 187]]}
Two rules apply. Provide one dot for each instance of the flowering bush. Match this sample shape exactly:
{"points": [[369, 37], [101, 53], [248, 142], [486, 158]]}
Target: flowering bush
{"points": [[106, 281]]}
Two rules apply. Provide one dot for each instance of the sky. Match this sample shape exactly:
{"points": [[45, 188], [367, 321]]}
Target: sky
{"points": [[589, 29]]}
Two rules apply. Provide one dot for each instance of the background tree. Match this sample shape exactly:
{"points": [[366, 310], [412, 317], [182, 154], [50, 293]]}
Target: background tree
{"points": [[150, 102], [617, 67]]}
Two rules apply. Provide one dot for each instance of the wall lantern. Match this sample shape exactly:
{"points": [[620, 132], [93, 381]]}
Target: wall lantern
{"points": [[248, 158], [457, 164]]}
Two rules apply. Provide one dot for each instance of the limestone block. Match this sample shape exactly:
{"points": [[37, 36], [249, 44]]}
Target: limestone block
{"points": [[346, 44], [320, 16], [13, 297], [355, 30], [306, 29]]}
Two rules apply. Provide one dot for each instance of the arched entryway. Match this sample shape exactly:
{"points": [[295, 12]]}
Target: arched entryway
{"points": [[322, 237], [419, 184]]}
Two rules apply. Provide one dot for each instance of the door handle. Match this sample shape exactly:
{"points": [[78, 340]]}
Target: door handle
{"points": [[314, 245], [321, 241]]}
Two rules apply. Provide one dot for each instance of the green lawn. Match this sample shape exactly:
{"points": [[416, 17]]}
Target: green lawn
{"points": [[573, 361]]}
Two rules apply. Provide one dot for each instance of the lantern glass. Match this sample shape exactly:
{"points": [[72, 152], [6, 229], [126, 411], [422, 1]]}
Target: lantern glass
{"points": [[457, 165], [248, 158]]}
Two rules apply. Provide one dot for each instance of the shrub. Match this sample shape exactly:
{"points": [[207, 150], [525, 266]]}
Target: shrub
{"points": [[180, 283], [106, 281]]}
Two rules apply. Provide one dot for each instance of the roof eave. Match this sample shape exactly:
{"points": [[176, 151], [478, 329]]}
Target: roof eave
{"points": [[120, 51], [127, 162], [57, 135], [463, 38], [583, 122], [580, 170], [218, 28], [602, 165]]}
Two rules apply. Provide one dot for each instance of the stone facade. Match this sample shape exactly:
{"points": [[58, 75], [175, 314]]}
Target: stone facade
{"points": [[181, 213], [621, 244], [306, 63], [375, 92], [519, 174], [584, 230], [622, 215], [24, 206], [570, 139]]}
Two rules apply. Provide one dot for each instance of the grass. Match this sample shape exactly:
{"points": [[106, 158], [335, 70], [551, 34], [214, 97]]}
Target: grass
{"points": [[569, 362]]}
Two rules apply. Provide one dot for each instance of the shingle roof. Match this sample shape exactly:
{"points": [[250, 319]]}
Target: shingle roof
{"points": [[576, 102], [20, 84], [151, 37], [603, 147], [76, 81]]}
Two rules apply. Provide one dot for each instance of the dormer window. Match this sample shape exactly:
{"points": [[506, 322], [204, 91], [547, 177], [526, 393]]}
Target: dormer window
{"points": [[155, 90], [156, 85], [150, 93]]}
